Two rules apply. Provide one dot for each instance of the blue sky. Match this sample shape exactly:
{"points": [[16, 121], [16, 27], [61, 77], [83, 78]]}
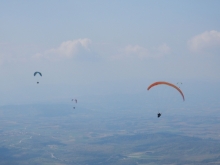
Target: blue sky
{"points": [[96, 47]]}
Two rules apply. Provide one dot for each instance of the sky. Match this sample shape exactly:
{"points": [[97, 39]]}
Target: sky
{"points": [[86, 48]]}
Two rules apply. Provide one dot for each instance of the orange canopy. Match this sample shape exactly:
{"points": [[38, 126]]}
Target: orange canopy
{"points": [[166, 83]]}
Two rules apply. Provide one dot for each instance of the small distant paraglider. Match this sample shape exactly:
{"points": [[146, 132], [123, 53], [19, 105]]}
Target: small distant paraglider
{"points": [[179, 83], [35, 73], [75, 100]]}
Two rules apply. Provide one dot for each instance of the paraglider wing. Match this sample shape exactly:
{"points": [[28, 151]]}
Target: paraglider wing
{"points": [[37, 73], [166, 83]]}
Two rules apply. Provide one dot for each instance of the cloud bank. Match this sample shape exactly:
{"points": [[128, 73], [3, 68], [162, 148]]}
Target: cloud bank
{"points": [[205, 41], [136, 50], [67, 49], [139, 52], [80, 50]]}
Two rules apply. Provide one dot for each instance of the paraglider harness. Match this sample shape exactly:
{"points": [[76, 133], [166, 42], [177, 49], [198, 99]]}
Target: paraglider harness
{"points": [[158, 115]]}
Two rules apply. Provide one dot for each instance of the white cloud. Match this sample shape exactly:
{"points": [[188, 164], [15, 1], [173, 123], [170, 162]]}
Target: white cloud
{"points": [[136, 51], [67, 49], [164, 49], [71, 48], [204, 41], [80, 49]]}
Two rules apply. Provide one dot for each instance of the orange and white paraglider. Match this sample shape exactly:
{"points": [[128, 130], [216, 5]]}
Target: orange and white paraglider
{"points": [[165, 83]]}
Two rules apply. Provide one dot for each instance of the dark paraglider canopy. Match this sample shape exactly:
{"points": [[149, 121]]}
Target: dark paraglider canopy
{"points": [[35, 73], [74, 100]]}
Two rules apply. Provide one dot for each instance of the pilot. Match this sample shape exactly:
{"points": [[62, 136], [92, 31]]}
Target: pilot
{"points": [[158, 115]]}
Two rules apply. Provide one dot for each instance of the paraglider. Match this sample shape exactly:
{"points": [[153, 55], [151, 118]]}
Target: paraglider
{"points": [[75, 102], [179, 83], [35, 73], [169, 84]]}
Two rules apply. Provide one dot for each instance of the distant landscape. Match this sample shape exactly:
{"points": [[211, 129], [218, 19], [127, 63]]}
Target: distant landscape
{"points": [[58, 134]]}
